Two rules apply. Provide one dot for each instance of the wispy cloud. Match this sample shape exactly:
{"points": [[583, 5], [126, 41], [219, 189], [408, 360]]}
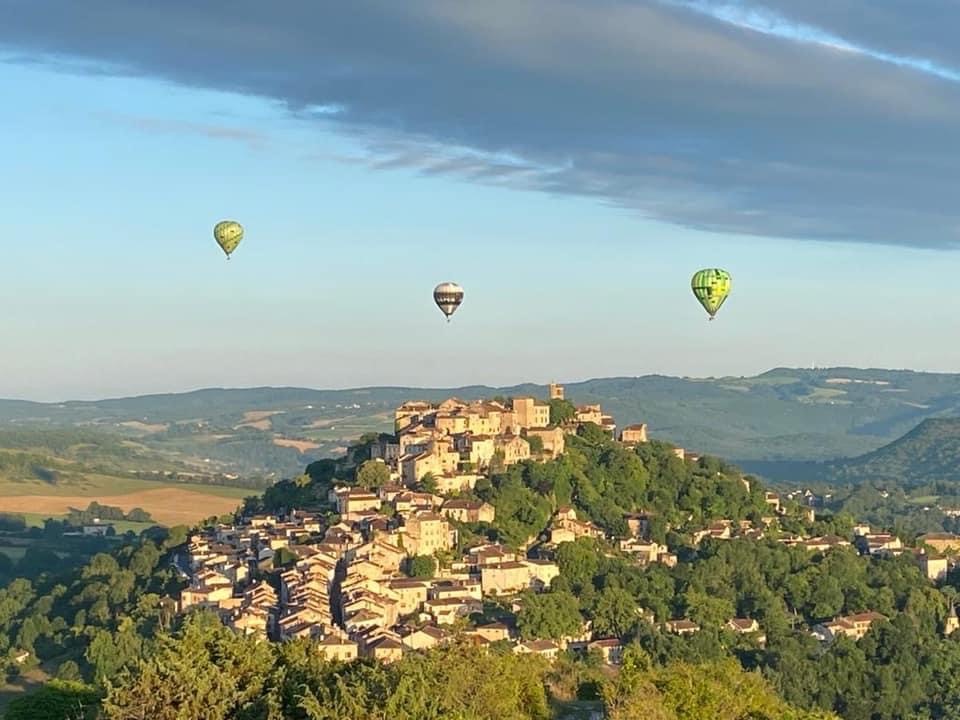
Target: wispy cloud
{"points": [[768, 22], [253, 139]]}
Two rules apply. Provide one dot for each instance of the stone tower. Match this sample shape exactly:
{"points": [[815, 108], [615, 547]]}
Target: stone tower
{"points": [[952, 623], [556, 391]]}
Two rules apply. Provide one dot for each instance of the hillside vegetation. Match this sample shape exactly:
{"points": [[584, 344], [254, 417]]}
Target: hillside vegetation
{"points": [[783, 414], [53, 472], [928, 455], [109, 631]]}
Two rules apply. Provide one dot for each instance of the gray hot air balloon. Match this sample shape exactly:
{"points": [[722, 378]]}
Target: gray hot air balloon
{"points": [[448, 297]]}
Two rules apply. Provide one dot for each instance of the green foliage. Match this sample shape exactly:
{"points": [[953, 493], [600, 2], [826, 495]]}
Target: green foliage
{"points": [[372, 474], [284, 557], [95, 511], [562, 412], [552, 615], [57, 700], [703, 691], [100, 616], [69, 671], [12, 522], [615, 612], [422, 566], [427, 484], [928, 453], [207, 671]]}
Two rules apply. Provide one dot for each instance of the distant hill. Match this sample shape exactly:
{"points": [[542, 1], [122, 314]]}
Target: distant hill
{"points": [[929, 453], [781, 415]]}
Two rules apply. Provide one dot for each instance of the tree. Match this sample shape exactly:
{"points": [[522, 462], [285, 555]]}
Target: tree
{"points": [[826, 599], [579, 562], [536, 443], [427, 484], [594, 435], [108, 653], [707, 609], [360, 450], [57, 700], [549, 616], [615, 613], [422, 566], [207, 671], [497, 463], [373, 474], [139, 515], [284, 557], [562, 411], [69, 672], [681, 691]]}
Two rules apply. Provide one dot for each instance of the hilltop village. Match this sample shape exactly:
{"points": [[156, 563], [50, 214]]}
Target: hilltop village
{"points": [[380, 569]]}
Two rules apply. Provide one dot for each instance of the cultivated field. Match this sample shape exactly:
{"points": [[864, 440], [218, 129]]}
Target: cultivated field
{"points": [[167, 503], [299, 445]]}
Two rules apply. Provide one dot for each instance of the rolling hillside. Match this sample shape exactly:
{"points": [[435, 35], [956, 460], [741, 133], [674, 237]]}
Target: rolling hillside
{"points": [[47, 472], [783, 414], [929, 453]]}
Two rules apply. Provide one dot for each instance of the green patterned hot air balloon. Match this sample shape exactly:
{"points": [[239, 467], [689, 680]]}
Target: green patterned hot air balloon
{"points": [[711, 287], [228, 234]]}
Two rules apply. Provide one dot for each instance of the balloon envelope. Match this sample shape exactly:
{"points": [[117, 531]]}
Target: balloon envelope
{"points": [[711, 287], [228, 234], [448, 297]]}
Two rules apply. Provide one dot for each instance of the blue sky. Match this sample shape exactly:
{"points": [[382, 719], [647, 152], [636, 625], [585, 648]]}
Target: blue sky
{"points": [[570, 169]]}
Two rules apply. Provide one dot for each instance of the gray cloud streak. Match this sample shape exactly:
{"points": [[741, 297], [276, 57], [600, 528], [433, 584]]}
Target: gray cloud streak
{"points": [[671, 112], [251, 138]]}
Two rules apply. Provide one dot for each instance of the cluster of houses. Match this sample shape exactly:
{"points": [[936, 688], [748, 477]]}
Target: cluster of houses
{"points": [[456, 442], [345, 587], [345, 583]]}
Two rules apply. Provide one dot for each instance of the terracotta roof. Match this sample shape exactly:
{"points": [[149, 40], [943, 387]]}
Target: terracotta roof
{"points": [[541, 645], [507, 566], [462, 505]]}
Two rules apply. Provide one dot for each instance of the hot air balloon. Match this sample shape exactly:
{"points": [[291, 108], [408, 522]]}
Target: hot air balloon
{"points": [[228, 234], [448, 297], [711, 287]]}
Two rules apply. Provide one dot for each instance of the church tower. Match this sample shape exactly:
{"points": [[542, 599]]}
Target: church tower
{"points": [[952, 624]]}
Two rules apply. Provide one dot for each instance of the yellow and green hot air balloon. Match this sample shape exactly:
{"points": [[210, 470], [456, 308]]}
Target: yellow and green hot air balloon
{"points": [[228, 234], [711, 287]]}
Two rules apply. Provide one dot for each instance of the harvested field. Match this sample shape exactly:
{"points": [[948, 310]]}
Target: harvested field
{"points": [[256, 415], [298, 445], [148, 428], [256, 425], [167, 505]]}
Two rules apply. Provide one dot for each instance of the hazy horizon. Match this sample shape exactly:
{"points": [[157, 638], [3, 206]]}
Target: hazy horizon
{"points": [[458, 386]]}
